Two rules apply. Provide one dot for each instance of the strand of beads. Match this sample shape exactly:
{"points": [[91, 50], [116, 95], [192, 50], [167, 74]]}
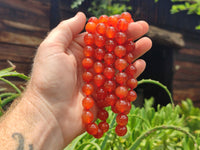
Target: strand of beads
{"points": [[109, 72]]}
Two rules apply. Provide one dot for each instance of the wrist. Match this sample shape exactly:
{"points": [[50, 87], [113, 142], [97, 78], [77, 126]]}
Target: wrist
{"points": [[46, 132]]}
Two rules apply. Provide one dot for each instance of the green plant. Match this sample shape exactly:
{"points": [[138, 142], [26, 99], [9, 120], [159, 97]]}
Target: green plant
{"points": [[164, 128], [107, 7], [6, 97], [191, 6]]}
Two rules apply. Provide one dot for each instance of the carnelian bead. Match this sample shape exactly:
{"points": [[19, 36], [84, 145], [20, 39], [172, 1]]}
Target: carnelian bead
{"points": [[87, 76], [104, 126], [122, 119], [121, 91], [112, 21], [129, 58], [99, 80], [130, 46], [120, 64], [109, 72], [120, 51], [88, 51], [110, 45], [111, 99], [100, 93], [87, 89], [118, 16], [99, 40], [103, 19], [99, 53], [131, 70], [93, 19], [131, 96], [101, 103], [109, 85], [122, 25], [92, 128], [109, 58], [99, 134], [102, 114], [132, 83], [127, 109], [121, 78], [87, 116], [98, 67], [114, 109], [90, 27], [110, 32], [127, 16], [88, 102], [89, 39], [101, 28], [120, 37], [121, 105], [121, 130], [87, 63]]}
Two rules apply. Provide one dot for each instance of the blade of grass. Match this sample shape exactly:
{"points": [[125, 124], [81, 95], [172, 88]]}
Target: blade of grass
{"points": [[11, 84], [15, 74], [6, 70], [74, 142], [9, 99], [150, 81], [88, 143]]}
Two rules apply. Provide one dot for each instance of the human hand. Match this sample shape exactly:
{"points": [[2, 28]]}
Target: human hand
{"points": [[56, 76]]}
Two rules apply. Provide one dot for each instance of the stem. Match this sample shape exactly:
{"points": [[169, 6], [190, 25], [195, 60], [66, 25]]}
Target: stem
{"points": [[143, 81], [9, 99], [152, 130], [11, 84]]}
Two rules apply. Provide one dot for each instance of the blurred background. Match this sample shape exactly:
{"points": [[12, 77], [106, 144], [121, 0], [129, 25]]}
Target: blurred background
{"points": [[174, 59]]}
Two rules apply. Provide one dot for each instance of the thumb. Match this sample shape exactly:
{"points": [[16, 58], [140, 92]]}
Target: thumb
{"points": [[66, 30]]}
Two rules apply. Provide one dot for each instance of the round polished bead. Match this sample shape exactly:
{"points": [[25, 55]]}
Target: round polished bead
{"points": [[89, 39], [87, 116], [121, 64], [99, 80], [92, 128], [110, 45], [87, 89], [121, 130], [88, 102], [87, 76], [87, 63], [120, 51]]}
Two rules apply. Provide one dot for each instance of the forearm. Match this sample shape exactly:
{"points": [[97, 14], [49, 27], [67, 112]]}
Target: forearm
{"points": [[27, 127]]}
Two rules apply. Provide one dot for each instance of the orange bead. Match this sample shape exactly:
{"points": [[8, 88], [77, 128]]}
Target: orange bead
{"points": [[87, 76], [132, 83], [121, 91], [126, 16], [90, 27], [88, 51], [122, 25], [121, 130], [99, 80], [87, 116], [112, 21], [109, 58], [104, 126], [101, 28], [110, 32], [89, 39], [109, 85], [92, 128], [120, 51], [131, 70], [88, 102], [120, 64], [110, 45], [87, 63], [121, 105], [87, 89], [93, 19], [131, 96], [99, 40], [103, 19], [120, 37], [99, 53], [109, 72], [99, 134], [98, 67], [121, 78]]}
